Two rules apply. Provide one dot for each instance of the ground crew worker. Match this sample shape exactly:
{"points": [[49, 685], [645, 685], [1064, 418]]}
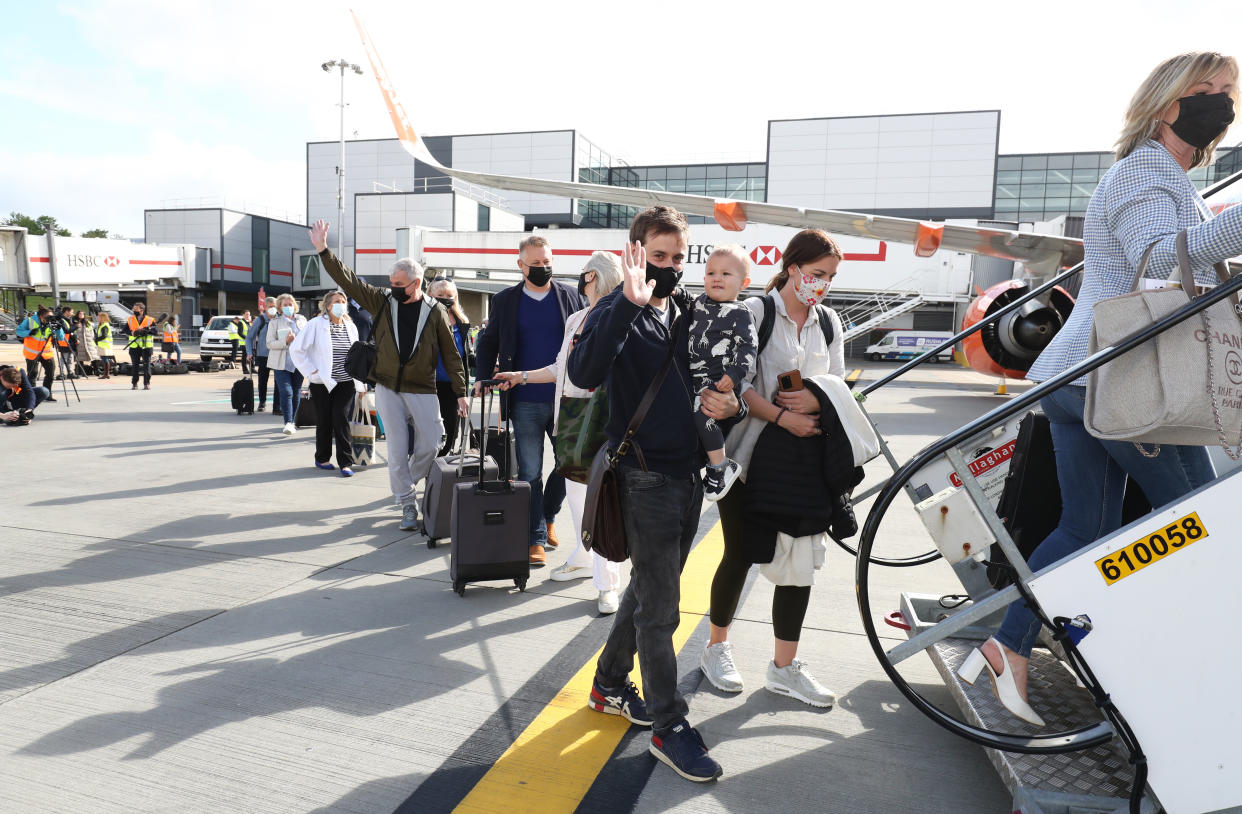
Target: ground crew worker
{"points": [[172, 340], [141, 343], [66, 345], [38, 333], [238, 329], [103, 341]]}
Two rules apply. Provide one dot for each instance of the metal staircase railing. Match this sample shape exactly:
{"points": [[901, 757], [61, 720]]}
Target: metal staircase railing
{"points": [[879, 315]]}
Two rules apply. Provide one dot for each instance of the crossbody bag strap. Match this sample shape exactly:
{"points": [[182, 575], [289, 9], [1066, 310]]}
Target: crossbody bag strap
{"points": [[644, 406]]}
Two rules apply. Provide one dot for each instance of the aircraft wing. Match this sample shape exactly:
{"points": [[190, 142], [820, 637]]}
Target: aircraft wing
{"points": [[1043, 254]]}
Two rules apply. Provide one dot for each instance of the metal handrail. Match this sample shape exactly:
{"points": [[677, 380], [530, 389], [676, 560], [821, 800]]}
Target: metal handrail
{"points": [[1047, 744]]}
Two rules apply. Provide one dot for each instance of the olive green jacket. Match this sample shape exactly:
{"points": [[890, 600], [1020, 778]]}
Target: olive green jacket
{"points": [[418, 374]]}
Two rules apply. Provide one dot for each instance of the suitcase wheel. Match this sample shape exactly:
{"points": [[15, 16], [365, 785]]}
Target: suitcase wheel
{"points": [[431, 542], [460, 587], [521, 584]]}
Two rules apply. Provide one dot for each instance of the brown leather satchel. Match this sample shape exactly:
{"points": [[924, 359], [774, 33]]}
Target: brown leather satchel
{"points": [[603, 526]]}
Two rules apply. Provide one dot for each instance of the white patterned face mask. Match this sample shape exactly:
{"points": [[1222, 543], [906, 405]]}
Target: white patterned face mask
{"points": [[809, 289]]}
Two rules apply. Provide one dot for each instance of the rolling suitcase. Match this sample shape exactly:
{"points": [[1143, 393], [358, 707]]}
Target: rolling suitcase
{"points": [[446, 472], [497, 444], [490, 526], [243, 396]]}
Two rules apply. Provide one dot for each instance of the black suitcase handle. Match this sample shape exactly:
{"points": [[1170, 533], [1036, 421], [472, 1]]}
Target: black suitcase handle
{"points": [[488, 398]]}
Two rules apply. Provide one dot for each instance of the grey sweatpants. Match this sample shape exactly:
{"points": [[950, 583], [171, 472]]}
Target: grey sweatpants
{"points": [[402, 414]]}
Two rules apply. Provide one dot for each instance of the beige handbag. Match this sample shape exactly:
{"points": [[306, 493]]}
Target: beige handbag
{"points": [[1178, 388]]}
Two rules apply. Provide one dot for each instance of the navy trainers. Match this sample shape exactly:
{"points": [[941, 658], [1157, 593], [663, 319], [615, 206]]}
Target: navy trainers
{"points": [[682, 748], [625, 702]]}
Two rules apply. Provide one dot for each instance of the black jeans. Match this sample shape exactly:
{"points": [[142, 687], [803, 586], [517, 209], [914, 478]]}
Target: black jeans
{"points": [[245, 360], [260, 362], [140, 358], [448, 414], [333, 409], [49, 371], [661, 516]]}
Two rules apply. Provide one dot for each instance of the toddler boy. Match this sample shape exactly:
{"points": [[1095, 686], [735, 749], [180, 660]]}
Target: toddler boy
{"points": [[723, 349]]}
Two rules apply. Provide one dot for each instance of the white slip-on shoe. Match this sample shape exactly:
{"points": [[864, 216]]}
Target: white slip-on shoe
{"points": [[289, 429], [608, 603], [1003, 685]]}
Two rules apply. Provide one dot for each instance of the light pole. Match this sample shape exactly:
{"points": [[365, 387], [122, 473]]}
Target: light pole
{"points": [[343, 66]]}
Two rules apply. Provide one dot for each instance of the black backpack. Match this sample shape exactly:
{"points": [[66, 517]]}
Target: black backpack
{"points": [[769, 320]]}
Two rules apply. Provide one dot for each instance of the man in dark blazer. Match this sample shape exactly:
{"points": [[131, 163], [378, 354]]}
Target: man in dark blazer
{"points": [[524, 333]]}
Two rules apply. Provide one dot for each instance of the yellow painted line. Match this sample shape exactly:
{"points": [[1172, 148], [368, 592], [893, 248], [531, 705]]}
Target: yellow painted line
{"points": [[852, 378], [552, 764]]}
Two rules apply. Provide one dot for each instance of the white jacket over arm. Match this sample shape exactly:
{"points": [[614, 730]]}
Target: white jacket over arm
{"points": [[311, 352]]}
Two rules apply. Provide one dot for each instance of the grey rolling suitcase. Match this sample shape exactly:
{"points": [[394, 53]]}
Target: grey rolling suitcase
{"points": [[446, 472], [490, 528]]}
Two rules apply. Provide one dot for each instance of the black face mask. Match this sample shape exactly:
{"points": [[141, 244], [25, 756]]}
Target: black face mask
{"points": [[399, 294], [582, 283], [447, 302], [538, 275], [666, 279], [1201, 119]]}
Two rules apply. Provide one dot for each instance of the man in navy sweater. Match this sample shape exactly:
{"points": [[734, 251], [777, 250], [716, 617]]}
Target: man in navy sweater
{"points": [[625, 342], [525, 333]]}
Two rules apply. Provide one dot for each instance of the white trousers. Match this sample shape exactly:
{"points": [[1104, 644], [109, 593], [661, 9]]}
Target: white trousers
{"points": [[606, 573], [403, 414]]}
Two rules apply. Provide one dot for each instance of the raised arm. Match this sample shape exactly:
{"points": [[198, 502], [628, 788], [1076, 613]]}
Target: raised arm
{"points": [[367, 295]]}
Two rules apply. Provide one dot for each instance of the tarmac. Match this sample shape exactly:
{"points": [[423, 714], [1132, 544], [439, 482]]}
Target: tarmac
{"points": [[194, 619]]}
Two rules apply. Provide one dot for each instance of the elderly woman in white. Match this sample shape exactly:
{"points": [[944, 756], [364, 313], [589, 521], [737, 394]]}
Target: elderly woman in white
{"points": [[282, 329], [600, 275], [319, 353]]}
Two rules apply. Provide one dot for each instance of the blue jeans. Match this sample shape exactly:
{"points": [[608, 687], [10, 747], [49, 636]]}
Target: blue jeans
{"points": [[532, 420], [288, 392], [1092, 474], [661, 515]]}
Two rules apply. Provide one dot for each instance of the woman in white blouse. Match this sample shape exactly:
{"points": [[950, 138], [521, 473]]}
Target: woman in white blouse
{"points": [[319, 353], [600, 275], [798, 342]]}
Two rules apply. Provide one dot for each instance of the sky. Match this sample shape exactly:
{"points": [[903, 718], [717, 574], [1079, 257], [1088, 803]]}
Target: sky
{"points": [[116, 106]]}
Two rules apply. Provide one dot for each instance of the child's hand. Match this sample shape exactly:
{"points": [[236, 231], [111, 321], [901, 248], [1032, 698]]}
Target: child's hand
{"points": [[725, 384]]}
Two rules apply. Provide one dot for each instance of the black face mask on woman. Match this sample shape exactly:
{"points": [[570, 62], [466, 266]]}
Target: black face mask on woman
{"points": [[666, 279], [1202, 118], [538, 275], [447, 302], [583, 283]]}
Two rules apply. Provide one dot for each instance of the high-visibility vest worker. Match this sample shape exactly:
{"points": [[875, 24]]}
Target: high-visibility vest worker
{"points": [[141, 342], [233, 335], [35, 342], [103, 338], [63, 339], [171, 333], [243, 328]]}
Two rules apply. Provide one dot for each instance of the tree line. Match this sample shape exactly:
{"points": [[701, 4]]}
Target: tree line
{"points": [[40, 225]]}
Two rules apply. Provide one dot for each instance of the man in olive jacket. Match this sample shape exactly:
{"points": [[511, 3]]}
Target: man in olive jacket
{"points": [[405, 367]]}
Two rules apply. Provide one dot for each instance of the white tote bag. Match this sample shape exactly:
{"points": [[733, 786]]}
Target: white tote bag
{"points": [[1182, 387]]}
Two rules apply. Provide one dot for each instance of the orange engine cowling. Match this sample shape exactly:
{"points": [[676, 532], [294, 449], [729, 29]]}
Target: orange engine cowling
{"points": [[1010, 345]]}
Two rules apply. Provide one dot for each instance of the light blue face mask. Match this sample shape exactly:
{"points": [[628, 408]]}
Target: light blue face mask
{"points": [[287, 310], [339, 309]]}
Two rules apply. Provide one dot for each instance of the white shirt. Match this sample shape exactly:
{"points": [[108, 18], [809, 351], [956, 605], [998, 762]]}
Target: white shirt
{"points": [[785, 351]]}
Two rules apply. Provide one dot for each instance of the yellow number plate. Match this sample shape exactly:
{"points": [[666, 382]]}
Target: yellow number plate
{"points": [[1152, 548]]}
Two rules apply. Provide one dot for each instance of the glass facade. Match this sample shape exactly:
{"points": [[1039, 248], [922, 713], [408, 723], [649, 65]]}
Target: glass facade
{"points": [[260, 249], [746, 182], [1041, 186]]}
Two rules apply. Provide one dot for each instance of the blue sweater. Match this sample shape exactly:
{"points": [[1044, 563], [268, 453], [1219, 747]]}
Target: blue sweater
{"points": [[625, 346], [540, 331]]}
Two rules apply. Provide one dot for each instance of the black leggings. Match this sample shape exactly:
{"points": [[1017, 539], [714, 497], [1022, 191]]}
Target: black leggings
{"points": [[789, 602], [260, 363], [448, 414]]}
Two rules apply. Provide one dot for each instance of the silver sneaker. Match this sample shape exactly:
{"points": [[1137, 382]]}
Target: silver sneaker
{"points": [[568, 573], [717, 665], [409, 517], [797, 682]]}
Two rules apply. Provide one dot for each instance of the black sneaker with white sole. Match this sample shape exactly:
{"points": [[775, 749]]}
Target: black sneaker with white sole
{"points": [[681, 748], [718, 479]]}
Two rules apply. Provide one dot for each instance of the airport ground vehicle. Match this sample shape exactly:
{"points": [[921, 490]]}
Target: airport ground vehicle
{"points": [[215, 343], [903, 345]]}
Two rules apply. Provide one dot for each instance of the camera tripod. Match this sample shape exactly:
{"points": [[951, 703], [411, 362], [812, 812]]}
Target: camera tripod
{"points": [[63, 370]]}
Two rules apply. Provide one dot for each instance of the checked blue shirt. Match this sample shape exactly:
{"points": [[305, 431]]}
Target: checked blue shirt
{"points": [[1144, 198]]}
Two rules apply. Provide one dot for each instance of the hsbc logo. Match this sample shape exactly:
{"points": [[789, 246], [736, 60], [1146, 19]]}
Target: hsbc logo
{"points": [[112, 262], [92, 261], [765, 255]]}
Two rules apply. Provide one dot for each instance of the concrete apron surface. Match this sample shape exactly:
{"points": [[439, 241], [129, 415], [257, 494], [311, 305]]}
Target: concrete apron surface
{"points": [[193, 618]]}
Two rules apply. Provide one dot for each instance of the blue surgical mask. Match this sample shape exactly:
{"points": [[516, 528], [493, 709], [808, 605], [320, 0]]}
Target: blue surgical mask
{"points": [[339, 309], [287, 310]]}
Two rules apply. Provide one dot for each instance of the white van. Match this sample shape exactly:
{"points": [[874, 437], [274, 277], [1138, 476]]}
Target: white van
{"points": [[215, 340], [905, 345]]}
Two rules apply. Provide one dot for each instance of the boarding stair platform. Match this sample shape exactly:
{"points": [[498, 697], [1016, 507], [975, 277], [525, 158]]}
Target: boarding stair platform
{"points": [[860, 324]]}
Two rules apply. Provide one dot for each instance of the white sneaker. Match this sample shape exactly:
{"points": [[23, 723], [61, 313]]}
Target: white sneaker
{"points": [[567, 572], [609, 601], [797, 682], [289, 429], [717, 664]]}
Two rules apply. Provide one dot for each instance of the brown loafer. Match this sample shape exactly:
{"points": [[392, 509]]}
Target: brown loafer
{"points": [[552, 543], [537, 557]]}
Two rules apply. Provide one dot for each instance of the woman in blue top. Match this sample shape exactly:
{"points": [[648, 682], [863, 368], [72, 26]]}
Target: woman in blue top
{"points": [[445, 292], [1174, 122]]}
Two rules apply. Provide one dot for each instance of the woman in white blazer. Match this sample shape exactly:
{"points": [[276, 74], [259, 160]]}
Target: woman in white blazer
{"points": [[282, 330], [319, 354]]}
